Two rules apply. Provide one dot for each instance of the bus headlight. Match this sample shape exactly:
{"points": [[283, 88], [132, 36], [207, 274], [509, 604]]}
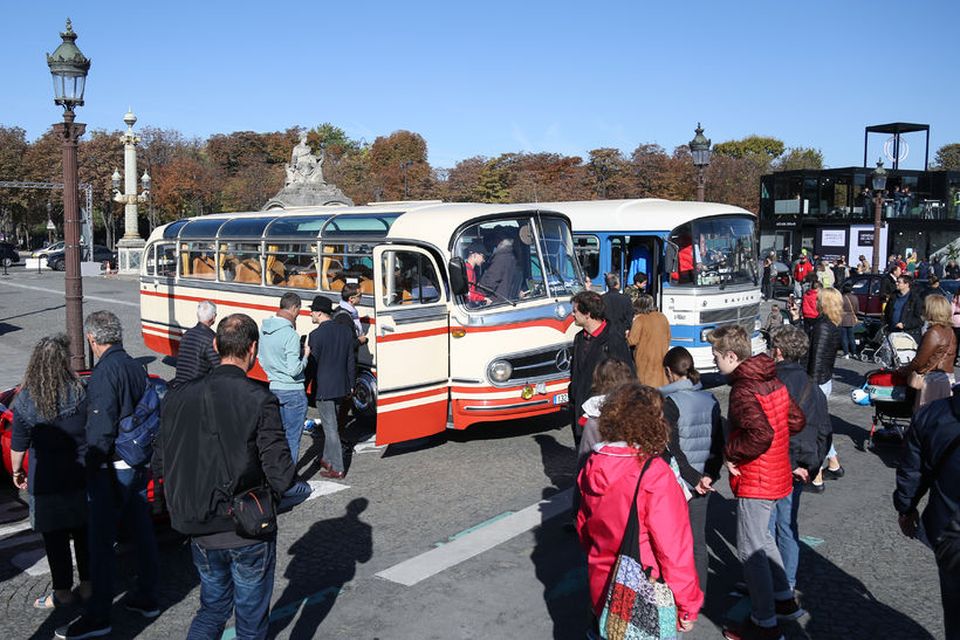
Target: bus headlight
{"points": [[757, 325], [705, 334], [499, 370]]}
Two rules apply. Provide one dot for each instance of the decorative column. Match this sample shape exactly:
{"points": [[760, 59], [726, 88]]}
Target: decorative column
{"points": [[130, 247]]}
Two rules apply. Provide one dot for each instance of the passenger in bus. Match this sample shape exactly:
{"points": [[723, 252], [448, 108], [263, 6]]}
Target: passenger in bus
{"points": [[650, 338], [476, 255], [501, 276], [684, 272], [617, 306]]}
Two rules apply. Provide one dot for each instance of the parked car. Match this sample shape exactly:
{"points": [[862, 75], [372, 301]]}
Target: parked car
{"points": [[47, 250], [783, 281], [9, 252], [57, 261], [866, 288]]}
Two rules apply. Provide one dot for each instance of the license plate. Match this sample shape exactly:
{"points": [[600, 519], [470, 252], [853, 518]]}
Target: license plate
{"points": [[561, 398]]}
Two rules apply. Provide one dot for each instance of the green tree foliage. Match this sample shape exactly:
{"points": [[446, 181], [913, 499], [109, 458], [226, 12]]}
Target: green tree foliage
{"points": [[98, 155], [761, 148], [948, 157], [800, 158]]}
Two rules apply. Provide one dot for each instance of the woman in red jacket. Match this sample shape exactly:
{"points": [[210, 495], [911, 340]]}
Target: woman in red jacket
{"points": [[607, 484]]}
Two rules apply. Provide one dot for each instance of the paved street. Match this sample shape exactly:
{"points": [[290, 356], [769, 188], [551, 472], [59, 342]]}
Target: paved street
{"points": [[463, 536]]}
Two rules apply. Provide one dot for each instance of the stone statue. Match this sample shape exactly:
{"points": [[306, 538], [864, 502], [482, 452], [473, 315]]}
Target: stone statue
{"points": [[304, 167]]}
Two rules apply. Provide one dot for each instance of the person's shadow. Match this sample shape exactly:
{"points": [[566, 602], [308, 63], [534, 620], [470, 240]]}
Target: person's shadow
{"points": [[322, 561]]}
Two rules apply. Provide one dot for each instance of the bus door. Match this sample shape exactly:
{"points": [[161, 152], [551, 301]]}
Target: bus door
{"points": [[412, 344], [630, 255]]}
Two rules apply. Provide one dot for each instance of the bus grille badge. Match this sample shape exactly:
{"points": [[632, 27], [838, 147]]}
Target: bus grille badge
{"points": [[563, 359]]}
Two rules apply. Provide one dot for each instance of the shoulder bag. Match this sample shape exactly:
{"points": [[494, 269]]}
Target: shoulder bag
{"points": [[254, 511], [636, 606]]}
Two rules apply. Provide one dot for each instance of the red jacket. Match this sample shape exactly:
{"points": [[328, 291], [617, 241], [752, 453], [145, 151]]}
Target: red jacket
{"points": [[802, 270], [472, 294], [809, 303], [606, 484], [762, 416]]}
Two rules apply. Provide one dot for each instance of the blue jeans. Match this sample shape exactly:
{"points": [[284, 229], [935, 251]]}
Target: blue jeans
{"points": [[786, 531], [293, 411], [847, 341], [238, 581], [116, 496], [332, 451]]}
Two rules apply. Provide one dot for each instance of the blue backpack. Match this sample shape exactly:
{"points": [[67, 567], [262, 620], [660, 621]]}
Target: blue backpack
{"points": [[134, 443]]}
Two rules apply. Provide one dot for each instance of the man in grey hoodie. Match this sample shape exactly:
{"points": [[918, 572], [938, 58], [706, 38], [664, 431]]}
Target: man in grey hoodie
{"points": [[281, 358]]}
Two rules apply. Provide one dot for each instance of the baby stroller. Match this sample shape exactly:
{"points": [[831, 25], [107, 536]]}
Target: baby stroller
{"points": [[887, 391]]}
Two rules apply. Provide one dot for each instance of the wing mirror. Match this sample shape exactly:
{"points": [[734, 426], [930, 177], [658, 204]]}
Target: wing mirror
{"points": [[458, 276]]}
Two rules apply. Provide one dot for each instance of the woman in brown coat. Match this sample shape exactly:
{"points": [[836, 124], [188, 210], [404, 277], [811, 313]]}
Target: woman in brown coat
{"points": [[934, 360], [650, 338]]}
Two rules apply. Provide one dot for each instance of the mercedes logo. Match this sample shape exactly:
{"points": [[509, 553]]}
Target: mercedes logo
{"points": [[564, 356]]}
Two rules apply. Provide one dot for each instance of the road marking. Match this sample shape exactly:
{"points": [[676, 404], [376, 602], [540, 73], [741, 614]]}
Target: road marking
{"points": [[13, 528], [33, 562], [499, 530], [19, 541], [85, 296], [324, 488]]}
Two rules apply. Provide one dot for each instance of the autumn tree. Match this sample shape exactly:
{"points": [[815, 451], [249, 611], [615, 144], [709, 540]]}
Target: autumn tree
{"points": [[186, 186], [13, 146], [948, 157], [463, 180], [99, 154], [610, 173], [399, 166]]}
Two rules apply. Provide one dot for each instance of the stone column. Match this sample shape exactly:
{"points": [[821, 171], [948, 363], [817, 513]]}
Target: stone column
{"points": [[130, 247]]}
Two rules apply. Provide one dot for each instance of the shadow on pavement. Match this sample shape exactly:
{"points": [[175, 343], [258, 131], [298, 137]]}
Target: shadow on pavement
{"points": [[323, 560]]}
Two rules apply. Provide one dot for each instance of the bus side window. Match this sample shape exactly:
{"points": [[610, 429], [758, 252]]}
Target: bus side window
{"points": [[292, 265], [409, 278], [166, 260], [197, 260], [149, 261], [344, 263]]}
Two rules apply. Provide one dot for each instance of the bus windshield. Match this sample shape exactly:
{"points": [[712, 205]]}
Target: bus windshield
{"points": [[715, 252], [505, 266]]}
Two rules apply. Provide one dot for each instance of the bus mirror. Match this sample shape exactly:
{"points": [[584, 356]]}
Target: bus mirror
{"points": [[458, 276], [671, 262]]}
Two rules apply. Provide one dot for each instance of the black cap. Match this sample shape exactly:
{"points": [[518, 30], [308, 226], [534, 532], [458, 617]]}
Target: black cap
{"points": [[322, 304], [476, 247]]}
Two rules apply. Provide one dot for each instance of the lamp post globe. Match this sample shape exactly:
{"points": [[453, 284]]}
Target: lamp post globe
{"points": [[879, 181], [700, 150], [69, 67]]}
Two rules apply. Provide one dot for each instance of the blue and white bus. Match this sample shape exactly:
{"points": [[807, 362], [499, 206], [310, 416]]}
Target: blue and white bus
{"points": [[700, 259]]}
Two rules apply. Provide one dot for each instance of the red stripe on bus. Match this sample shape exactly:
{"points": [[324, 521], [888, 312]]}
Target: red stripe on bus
{"points": [[559, 325], [234, 303], [410, 396], [426, 333]]}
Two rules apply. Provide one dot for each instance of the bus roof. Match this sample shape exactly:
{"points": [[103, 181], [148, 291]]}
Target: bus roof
{"points": [[433, 221], [635, 215]]}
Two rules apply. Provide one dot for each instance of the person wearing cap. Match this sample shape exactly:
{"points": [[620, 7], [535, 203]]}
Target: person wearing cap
{"points": [[333, 359], [475, 258], [802, 269]]}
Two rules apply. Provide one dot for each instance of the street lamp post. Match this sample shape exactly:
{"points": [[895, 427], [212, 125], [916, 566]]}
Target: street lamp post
{"points": [[403, 168], [69, 69], [130, 247], [879, 178], [700, 150]]}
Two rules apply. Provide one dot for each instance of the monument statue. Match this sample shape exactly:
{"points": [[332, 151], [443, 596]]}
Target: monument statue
{"points": [[304, 184]]}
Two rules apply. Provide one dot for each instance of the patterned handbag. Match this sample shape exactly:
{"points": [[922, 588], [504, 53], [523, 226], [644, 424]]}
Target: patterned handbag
{"points": [[637, 607]]}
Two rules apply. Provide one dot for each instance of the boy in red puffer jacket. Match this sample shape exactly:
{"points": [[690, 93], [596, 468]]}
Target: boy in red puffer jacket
{"points": [[762, 416]]}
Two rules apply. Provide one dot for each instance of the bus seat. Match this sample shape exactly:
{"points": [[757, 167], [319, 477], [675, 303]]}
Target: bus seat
{"points": [[203, 267], [336, 285], [248, 271], [276, 272], [366, 286], [301, 281]]}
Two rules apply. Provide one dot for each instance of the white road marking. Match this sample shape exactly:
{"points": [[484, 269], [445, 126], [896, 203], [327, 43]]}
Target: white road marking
{"points": [[19, 541], [85, 296], [324, 488], [33, 562], [410, 572], [13, 528]]}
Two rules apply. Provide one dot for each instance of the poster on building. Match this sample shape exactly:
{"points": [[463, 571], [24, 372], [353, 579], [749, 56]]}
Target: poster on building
{"points": [[861, 244], [831, 243]]}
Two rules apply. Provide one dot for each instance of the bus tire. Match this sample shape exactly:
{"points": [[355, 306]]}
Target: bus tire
{"points": [[365, 394]]}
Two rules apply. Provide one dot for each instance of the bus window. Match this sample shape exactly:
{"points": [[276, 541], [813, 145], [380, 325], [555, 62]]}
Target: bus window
{"points": [[196, 260], [341, 263], [239, 262], [292, 265], [588, 253], [715, 251], [167, 260], [409, 278], [149, 262]]}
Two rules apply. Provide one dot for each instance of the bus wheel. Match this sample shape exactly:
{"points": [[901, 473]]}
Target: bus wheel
{"points": [[365, 394]]}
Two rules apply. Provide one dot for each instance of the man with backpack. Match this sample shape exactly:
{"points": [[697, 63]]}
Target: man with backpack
{"points": [[116, 490]]}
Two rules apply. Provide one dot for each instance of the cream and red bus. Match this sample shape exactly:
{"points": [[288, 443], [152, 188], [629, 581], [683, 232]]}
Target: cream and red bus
{"points": [[434, 359]]}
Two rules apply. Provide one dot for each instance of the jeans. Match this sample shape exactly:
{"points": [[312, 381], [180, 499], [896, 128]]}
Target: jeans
{"points": [[847, 341], [786, 531], [332, 451], [762, 564], [57, 546], [118, 496], [238, 581], [293, 411], [697, 506]]}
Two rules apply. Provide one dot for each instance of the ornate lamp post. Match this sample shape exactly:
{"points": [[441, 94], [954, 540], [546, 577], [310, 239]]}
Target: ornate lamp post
{"points": [[130, 247], [69, 69], [879, 178], [700, 150]]}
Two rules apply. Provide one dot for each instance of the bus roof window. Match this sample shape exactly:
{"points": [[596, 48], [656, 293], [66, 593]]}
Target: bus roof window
{"points": [[297, 227], [201, 228], [244, 227], [172, 230], [350, 225]]}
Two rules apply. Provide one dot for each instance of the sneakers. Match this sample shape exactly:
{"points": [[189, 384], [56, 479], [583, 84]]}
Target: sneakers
{"points": [[147, 607], [815, 488], [789, 609], [749, 630], [833, 474], [84, 627]]}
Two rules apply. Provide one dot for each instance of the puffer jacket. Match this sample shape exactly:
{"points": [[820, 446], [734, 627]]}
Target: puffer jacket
{"points": [[824, 340], [762, 416], [607, 484], [936, 351]]}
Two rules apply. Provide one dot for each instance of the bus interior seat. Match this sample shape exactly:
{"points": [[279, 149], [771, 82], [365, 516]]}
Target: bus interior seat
{"points": [[248, 271], [203, 267], [300, 281]]}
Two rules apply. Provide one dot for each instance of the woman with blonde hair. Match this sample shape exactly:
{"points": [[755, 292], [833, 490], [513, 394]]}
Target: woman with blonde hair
{"points": [[824, 340], [934, 359]]}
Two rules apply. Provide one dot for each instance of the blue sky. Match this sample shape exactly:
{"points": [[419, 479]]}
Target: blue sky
{"points": [[484, 78]]}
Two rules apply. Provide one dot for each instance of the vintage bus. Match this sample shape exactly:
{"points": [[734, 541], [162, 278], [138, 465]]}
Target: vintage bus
{"points": [[435, 358], [700, 259]]}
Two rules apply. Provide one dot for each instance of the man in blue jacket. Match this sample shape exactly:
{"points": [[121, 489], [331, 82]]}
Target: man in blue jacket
{"points": [[116, 492], [331, 346], [282, 361]]}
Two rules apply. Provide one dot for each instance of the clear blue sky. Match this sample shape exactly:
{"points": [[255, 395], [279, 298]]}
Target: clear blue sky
{"points": [[484, 78]]}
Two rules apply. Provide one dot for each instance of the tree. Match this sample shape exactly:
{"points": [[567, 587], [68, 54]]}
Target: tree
{"points": [[186, 186], [650, 166], [609, 172], [758, 147], [948, 157], [463, 180], [800, 158], [399, 166], [13, 146], [101, 153], [492, 182]]}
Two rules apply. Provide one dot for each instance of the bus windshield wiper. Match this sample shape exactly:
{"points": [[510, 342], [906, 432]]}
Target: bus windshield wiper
{"points": [[499, 295]]}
